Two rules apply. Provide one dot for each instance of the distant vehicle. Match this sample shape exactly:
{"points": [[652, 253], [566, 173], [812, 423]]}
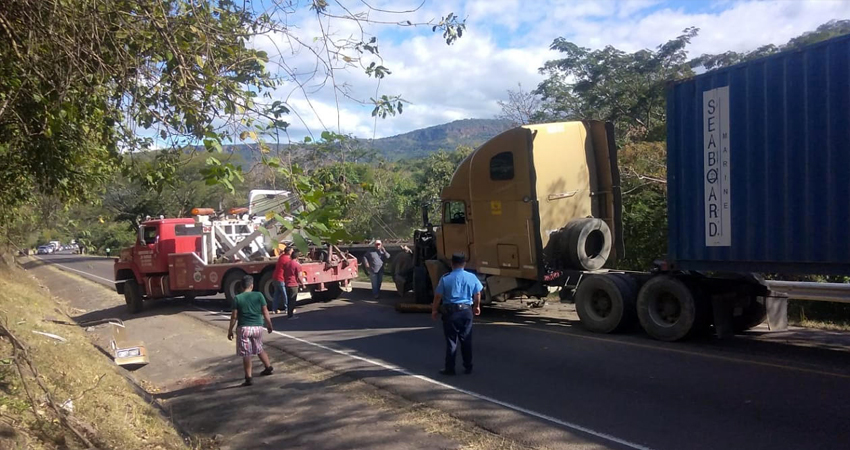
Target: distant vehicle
{"points": [[57, 245], [45, 249]]}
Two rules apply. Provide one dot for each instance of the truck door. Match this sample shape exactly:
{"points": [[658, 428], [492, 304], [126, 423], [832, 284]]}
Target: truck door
{"points": [[504, 206], [147, 254], [454, 230]]}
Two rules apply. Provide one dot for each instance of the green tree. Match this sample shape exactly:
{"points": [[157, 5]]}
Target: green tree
{"points": [[82, 81], [610, 84]]}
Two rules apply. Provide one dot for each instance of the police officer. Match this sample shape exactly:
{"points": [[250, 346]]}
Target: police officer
{"points": [[457, 298]]}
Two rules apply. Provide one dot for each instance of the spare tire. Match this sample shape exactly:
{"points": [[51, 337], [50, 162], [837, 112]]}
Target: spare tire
{"points": [[588, 243], [606, 303]]}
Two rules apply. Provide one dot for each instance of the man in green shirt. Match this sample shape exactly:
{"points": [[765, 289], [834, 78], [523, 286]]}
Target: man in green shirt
{"points": [[251, 313]]}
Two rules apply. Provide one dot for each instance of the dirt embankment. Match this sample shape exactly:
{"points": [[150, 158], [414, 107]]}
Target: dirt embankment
{"points": [[59, 391]]}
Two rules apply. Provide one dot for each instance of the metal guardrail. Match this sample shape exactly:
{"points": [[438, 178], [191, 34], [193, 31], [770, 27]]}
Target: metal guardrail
{"points": [[799, 290]]}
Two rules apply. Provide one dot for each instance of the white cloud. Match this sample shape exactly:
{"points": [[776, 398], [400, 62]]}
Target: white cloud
{"points": [[507, 41]]}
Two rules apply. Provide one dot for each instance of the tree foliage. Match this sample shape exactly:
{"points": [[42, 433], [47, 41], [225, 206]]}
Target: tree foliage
{"points": [[83, 81], [610, 84]]}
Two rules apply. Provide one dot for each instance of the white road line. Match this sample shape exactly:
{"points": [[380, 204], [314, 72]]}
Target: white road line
{"points": [[501, 403]]}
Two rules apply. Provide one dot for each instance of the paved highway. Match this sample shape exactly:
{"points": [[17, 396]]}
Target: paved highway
{"points": [[619, 391]]}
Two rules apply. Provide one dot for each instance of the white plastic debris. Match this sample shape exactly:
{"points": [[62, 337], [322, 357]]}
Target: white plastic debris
{"points": [[50, 335]]}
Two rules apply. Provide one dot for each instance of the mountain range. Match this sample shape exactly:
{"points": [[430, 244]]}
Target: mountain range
{"points": [[414, 144], [448, 136]]}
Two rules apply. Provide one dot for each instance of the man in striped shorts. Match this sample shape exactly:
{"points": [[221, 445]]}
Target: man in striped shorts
{"points": [[251, 313]]}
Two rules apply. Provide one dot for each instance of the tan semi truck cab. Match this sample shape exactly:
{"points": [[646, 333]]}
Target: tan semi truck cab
{"points": [[530, 208]]}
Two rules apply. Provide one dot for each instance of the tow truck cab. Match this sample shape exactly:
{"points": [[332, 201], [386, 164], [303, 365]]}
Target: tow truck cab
{"points": [[155, 241]]}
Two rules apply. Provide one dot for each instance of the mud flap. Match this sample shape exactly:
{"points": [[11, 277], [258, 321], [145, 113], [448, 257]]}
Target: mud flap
{"points": [[722, 308], [777, 312]]}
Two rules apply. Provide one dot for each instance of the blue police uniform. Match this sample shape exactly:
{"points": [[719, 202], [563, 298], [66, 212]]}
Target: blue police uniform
{"points": [[457, 289]]}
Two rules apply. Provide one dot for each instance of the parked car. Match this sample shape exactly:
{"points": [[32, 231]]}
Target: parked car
{"points": [[45, 249]]}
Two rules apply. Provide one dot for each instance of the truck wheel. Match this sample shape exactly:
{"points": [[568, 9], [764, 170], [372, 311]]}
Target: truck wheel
{"points": [[266, 286], [422, 286], [332, 292], [605, 303], [232, 285], [668, 309], [588, 243], [133, 296], [753, 315]]}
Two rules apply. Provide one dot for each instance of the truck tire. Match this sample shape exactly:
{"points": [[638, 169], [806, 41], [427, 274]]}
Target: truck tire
{"points": [[753, 314], [332, 292], [232, 285], [588, 243], [669, 310], [266, 286], [422, 285], [133, 296], [606, 303]]}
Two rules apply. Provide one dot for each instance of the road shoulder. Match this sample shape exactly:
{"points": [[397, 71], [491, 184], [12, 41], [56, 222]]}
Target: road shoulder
{"points": [[194, 375]]}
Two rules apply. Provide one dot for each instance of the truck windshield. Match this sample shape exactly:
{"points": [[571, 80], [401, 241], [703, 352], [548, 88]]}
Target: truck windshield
{"points": [[455, 212], [149, 234]]}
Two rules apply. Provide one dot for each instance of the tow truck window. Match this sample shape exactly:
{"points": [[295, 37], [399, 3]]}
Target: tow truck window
{"points": [[149, 234], [454, 212], [188, 230], [502, 166]]}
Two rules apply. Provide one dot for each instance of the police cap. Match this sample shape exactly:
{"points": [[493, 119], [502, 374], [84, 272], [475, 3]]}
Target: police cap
{"points": [[458, 258]]}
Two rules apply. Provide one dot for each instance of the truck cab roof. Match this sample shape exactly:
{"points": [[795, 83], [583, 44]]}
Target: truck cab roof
{"points": [[181, 220]]}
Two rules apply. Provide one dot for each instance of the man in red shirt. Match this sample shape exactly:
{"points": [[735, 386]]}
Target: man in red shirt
{"points": [[292, 279], [278, 281]]}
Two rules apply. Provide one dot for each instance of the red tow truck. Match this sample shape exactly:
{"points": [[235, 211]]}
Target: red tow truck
{"points": [[191, 257]]}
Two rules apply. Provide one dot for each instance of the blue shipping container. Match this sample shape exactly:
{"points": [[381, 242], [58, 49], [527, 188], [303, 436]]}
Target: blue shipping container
{"points": [[758, 165]]}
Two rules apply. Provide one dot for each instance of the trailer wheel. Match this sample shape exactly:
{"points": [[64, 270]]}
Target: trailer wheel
{"points": [[266, 286], [588, 243], [605, 303], [668, 310], [232, 285], [754, 313], [133, 296], [422, 285]]}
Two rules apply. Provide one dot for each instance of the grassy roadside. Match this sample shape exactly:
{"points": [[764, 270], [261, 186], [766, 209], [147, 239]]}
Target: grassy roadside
{"points": [[106, 409]]}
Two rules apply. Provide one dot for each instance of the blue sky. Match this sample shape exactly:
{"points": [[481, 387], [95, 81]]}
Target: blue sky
{"points": [[505, 43]]}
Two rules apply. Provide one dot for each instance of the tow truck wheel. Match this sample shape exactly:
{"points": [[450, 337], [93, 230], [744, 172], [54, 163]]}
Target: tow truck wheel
{"points": [[133, 296], [232, 285], [267, 288], [332, 292]]}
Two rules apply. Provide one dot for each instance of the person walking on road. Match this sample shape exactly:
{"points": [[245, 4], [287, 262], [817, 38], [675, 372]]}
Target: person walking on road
{"points": [[292, 279], [279, 282], [251, 314], [457, 297], [373, 261]]}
